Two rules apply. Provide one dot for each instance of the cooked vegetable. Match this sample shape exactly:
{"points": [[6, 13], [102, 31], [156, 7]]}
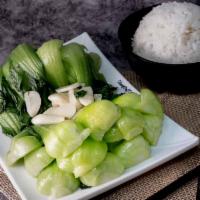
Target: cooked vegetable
{"points": [[111, 146], [63, 138], [22, 144], [80, 93], [76, 63], [99, 117], [10, 123], [36, 161], [131, 100], [12, 86], [102, 87], [95, 64], [105, 132], [86, 157], [110, 168], [131, 123], [2, 97], [65, 164], [147, 102], [50, 55], [14, 83], [113, 135], [133, 151], [56, 183], [150, 103], [25, 57], [152, 128]]}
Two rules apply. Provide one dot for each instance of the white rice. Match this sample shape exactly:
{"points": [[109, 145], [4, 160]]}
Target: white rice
{"points": [[170, 33]]}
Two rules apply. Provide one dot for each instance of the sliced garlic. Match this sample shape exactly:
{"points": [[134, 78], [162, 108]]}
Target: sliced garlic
{"points": [[58, 99], [33, 102], [97, 97], [69, 87], [88, 98], [43, 119], [74, 100], [66, 110]]}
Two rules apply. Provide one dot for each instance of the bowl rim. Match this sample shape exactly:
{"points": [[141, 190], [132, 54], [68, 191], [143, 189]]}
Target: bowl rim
{"points": [[131, 53]]}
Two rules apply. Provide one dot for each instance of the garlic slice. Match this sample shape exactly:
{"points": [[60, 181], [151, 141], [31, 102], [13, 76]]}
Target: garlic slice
{"points": [[69, 87], [43, 119], [88, 98], [33, 102], [74, 100], [66, 110], [58, 99], [97, 97]]}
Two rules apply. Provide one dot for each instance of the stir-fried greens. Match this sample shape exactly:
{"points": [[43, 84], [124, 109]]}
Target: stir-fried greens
{"points": [[68, 124], [51, 66]]}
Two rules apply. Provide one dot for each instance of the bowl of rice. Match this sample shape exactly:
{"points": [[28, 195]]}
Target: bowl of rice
{"points": [[162, 44]]}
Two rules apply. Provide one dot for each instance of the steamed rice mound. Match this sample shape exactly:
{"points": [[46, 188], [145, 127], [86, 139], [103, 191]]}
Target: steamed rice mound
{"points": [[170, 33]]}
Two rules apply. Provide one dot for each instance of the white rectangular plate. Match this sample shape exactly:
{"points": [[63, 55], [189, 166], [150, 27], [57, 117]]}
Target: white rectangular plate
{"points": [[174, 141]]}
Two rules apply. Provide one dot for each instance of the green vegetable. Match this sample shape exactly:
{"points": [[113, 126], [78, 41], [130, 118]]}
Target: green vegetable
{"points": [[113, 135], [150, 104], [80, 93], [99, 117], [102, 87], [22, 144], [76, 63], [111, 146], [133, 151], [2, 97], [152, 128], [10, 123], [147, 102], [131, 123], [110, 168], [63, 138], [50, 54], [36, 161], [25, 57], [95, 64], [131, 100], [13, 76], [14, 83], [65, 164], [87, 156], [56, 183]]}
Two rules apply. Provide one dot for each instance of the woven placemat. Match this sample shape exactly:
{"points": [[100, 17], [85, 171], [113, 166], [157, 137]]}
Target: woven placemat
{"points": [[187, 192], [185, 110]]}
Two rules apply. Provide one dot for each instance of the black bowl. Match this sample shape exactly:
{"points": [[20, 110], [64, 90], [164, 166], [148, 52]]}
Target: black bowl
{"points": [[178, 78]]}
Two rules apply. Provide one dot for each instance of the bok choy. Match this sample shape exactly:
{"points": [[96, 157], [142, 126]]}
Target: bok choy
{"points": [[63, 138], [36, 161], [50, 55], [110, 168], [22, 144], [56, 183]]}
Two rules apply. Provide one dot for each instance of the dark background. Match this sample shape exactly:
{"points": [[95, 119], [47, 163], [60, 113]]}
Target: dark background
{"points": [[35, 21]]}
